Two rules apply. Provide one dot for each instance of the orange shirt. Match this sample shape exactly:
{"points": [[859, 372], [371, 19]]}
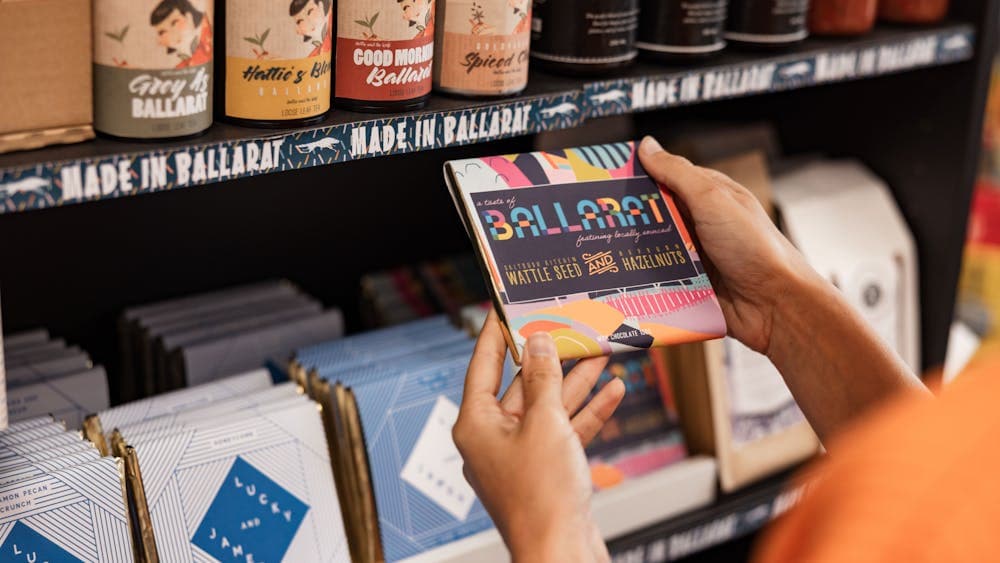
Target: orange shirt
{"points": [[918, 480]]}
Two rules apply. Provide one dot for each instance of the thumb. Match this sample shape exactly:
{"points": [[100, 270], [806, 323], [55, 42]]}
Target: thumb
{"points": [[541, 372], [675, 172]]}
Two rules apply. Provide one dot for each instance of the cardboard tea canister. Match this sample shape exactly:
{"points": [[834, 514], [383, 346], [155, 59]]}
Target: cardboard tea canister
{"points": [[385, 50], [278, 61], [481, 47], [153, 67]]}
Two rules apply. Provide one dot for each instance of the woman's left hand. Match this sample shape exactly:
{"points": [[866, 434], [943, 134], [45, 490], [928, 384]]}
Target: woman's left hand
{"points": [[524, 453]]}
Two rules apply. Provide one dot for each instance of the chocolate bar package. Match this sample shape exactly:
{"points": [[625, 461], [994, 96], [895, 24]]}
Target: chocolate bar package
{"points": [[644, 433], [185, 399], [134, 324], [429, 352], [263, 399], [69, 398], [258, 483], [72, 514], [46, 369], [168, 345], [330, 360], [37, 428], [53, 349], [207, 361], [391, 424], [163, 339], [581, 243], [25, 338]]}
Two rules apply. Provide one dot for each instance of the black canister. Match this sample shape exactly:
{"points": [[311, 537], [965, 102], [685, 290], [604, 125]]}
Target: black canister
{"points": [[584, 36], [681, 29], [765, 23]]}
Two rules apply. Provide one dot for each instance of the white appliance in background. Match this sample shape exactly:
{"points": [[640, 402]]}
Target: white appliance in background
{"points": [[845, 221], [963, 344]]}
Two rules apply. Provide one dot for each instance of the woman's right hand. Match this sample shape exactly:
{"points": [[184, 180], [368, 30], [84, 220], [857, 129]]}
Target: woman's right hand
{"points": [[751, 264], [834, 363]]}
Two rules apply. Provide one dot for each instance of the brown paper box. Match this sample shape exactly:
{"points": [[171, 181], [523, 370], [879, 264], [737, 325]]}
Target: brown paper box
{"points": [[750, 169], [45, 70]]}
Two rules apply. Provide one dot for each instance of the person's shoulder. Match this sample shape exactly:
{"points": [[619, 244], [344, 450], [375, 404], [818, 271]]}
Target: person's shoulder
{"points": [[913, 481]]}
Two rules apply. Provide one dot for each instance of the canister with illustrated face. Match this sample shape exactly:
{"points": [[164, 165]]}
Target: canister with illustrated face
{"points": [[278, 61], [481, 47], [385, 51], [153, 67], [584, 36]]}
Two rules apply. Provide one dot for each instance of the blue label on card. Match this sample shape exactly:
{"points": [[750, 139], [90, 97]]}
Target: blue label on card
{"points": [[27, 545], [252, 518]]}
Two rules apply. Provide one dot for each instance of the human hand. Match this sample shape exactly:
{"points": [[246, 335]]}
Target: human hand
{"points": [[524, 453], [751, 264]]}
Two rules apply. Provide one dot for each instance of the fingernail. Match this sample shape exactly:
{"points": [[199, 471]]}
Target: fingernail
{"points": [[649, 146], [540, 345]]}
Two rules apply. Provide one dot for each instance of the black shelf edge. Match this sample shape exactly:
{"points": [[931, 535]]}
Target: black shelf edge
{"points": [[817, 61], [732, 516], [104, 169]]}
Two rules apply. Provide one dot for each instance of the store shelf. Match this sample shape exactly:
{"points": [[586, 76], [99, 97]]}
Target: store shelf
{"points": [[661, 517], [732, 516], [814, 62], [677, 489], [103, 168]]}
